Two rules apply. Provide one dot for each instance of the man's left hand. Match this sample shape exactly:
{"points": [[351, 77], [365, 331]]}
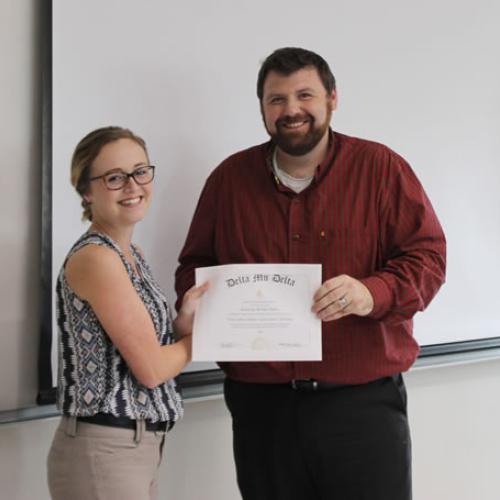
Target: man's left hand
{"points": [[341, 296]]}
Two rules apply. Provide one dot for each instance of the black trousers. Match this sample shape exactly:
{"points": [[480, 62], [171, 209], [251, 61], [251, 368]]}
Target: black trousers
{"points": [[346, 443]]}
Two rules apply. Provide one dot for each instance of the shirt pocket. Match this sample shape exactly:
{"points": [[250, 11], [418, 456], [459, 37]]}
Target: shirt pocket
{"points": [[346, 250]]}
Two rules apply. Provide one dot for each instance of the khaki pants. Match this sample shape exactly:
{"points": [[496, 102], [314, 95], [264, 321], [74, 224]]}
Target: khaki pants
{"points": [[96, 462]]}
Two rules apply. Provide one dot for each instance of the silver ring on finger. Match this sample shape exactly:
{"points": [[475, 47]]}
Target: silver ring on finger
{"points": [[342, 302]]}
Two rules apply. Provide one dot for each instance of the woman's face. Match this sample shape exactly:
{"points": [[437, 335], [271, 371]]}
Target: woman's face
{"points": [[127, 205]]}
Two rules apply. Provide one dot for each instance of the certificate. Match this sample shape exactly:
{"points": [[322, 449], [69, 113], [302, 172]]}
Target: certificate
{"points": [[258, 312]]}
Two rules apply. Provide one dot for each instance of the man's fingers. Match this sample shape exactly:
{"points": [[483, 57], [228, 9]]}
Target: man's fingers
{"points": [[334, 308], [327, 300], [341, 296], [328, 287], [336, 314]]}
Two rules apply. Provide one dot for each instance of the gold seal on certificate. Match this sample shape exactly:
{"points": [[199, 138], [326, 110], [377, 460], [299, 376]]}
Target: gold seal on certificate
{"points": [[258, 312]]}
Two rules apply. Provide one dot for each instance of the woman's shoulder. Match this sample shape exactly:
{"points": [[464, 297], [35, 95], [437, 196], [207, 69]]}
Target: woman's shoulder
{"points": [[92, 265], [92, 254], [93, 239], [90, 248]]}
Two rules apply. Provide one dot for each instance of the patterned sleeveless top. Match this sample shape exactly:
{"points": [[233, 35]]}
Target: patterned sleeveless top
{"points": [[92, 375]]}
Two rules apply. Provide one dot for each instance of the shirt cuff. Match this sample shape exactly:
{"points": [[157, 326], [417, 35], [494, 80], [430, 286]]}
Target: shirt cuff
{"points": [[382, 297]]}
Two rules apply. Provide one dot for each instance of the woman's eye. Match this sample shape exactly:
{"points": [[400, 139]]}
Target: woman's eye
{"points": [[114, 178], [141, 172]]}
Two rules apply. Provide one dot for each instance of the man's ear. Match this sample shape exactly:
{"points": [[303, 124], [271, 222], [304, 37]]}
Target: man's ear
{"points": [[334, 99]]}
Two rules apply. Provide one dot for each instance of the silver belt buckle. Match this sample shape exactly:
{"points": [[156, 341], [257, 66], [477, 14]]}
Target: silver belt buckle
{"points": [[305, 385]]}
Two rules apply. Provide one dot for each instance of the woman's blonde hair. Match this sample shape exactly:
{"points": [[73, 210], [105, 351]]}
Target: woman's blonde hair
{"points": [[86, 152]]}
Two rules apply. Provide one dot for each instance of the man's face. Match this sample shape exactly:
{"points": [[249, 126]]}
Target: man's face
{"points": [[296, 110]]}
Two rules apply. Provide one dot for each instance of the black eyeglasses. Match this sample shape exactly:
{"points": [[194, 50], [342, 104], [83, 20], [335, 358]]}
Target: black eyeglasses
{"points": [[118, 179]]}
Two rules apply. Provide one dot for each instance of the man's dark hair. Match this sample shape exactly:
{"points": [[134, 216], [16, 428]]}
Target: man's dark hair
{"points": [[288, 60]]}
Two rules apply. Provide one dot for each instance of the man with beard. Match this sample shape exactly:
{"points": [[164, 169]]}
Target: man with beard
{"points": [[338, 428]]}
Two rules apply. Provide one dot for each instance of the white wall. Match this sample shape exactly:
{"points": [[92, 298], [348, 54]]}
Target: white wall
{"points": [[454, 415], [417, 76]]}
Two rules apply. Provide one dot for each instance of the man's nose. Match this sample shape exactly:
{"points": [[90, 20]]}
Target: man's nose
{"points": [[292, 106]]}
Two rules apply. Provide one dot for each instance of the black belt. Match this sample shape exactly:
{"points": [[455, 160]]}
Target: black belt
{"points": [[124, 422], [311, 385]]}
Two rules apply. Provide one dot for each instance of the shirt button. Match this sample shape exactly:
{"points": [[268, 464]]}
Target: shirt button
{"points": [[296, 236]]}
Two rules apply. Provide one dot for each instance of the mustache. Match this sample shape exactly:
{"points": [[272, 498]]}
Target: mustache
{"points": [[287, 120]]}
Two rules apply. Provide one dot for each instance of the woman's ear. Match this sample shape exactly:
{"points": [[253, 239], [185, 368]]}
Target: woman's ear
{"points": [[87, 198]]}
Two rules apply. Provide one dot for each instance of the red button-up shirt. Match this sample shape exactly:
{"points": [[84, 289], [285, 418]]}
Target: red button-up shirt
{"points": [[365, 215]]}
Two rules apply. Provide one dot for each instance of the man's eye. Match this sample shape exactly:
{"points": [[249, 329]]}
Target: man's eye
{"points": [[305, 95], [276, 100]]}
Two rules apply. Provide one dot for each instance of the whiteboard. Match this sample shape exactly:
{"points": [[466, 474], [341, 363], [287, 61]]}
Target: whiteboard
{"points": [[420, 77]]}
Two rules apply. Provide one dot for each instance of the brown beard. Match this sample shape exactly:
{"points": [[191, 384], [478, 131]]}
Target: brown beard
{"points": [[300, 144]]}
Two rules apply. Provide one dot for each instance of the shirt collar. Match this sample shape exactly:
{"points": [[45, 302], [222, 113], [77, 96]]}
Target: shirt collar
{"points": [[321, 169]]}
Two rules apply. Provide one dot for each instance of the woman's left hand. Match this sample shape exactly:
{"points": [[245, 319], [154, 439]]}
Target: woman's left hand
{"points": [[183, 323]]}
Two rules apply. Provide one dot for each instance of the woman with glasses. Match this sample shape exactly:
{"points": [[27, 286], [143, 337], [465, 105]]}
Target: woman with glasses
{"points": [[118, 352]]}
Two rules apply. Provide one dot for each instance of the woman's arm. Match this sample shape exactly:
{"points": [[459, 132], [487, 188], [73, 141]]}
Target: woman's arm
{"points": [[97, 274]]}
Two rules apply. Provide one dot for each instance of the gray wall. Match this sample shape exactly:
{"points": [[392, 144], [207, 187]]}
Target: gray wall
{"points": [[454, 414], [19, 202]]}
